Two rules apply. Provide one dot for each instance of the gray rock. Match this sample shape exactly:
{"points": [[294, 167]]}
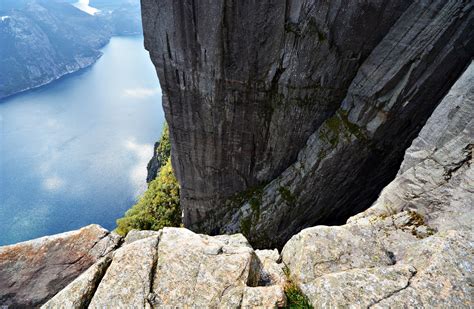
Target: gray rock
{"points": [[263, 297], [191, 272], [246, 84], [32, 272], [271, 272], [79, 293], [135, 235], [422, 221], [320, 250], [319, 99], [128, 280], [176, 268]]}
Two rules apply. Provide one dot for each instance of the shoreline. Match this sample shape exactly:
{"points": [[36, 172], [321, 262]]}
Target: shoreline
{"points": [[67, 73]]}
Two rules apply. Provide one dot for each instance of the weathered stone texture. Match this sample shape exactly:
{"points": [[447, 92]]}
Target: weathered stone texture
{"points": [[177, 268], [32, 272]]}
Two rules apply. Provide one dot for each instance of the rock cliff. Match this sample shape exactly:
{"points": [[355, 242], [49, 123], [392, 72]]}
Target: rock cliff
{"points": [[287, 114], [412, 248]]}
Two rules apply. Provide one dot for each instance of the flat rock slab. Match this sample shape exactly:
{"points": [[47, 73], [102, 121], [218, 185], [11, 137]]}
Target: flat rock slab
{"points": [[32, 272]]}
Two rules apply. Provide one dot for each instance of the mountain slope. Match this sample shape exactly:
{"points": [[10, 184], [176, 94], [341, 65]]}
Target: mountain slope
{"points": [[44, 40]]}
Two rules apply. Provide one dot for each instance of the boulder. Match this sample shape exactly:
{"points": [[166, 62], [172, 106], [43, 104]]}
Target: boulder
{"points": [[79, 293], [128, 279], [32, 272]]}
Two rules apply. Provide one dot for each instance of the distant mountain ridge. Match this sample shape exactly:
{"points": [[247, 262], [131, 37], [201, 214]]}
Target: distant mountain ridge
{"points": [[43, 40]]}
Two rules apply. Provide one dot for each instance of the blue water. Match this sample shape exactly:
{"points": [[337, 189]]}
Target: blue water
{"points": [[75, 152]]}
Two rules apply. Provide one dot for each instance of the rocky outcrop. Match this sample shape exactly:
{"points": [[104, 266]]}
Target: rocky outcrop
{"points": [[176, 267], [414, 246], [304, 107], [32, 272]]}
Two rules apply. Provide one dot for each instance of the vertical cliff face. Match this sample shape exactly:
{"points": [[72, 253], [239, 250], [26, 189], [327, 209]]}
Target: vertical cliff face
{"points": [[307, 106]]}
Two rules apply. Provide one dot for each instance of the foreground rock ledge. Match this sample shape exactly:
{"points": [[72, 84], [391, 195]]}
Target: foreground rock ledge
{"points": [[175, 267]]}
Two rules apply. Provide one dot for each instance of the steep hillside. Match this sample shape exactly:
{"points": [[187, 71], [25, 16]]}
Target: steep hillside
{"points": [[43, 40]]}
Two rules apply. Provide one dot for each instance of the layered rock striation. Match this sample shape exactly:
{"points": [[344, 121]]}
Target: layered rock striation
{"points": [[283, 115]]}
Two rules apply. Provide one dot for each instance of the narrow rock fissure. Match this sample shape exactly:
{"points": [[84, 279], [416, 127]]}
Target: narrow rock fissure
{"points": [[97, 280], [412, 275], [151, 296]]}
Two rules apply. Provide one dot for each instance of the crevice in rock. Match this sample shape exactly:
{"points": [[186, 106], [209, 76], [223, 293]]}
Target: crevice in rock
{"points": [[412, 275], [453, 167], [151, 299], [96, 281]]}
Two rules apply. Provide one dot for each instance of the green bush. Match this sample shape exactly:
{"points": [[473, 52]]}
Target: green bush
{"points": [[164, 147], [157, 208]]}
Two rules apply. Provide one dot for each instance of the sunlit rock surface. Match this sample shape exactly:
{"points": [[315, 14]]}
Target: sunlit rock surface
{"points": [[31, 272]]}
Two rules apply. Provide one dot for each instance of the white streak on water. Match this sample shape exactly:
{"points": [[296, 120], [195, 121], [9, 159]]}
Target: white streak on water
{"points": [[141, 93], [142, 154]]}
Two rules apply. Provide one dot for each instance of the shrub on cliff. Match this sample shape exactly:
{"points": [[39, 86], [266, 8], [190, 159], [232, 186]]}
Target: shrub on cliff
{"points": [[157, 208], [161, 154]]}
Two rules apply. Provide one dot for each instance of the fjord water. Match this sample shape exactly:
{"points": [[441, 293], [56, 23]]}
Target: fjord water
{"points": [[75, 152]]}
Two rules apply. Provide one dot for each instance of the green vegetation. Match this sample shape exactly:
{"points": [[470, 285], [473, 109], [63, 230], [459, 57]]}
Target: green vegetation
{"points": [[294, 297], [254, 197], [337, 128], [163, 150], [287, 195], [157, 208], [161, 154]]}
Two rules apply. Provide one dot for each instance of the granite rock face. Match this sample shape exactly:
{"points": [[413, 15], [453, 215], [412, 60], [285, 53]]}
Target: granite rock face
{"points": [[308, 105], [175, 267], [31, 272], [413, 247]]}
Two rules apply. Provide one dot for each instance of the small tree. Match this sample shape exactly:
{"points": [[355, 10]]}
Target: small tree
{"points": [[157, 208]]}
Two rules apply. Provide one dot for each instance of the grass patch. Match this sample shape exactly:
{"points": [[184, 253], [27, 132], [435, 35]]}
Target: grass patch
{"points": [[294, 297]]}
